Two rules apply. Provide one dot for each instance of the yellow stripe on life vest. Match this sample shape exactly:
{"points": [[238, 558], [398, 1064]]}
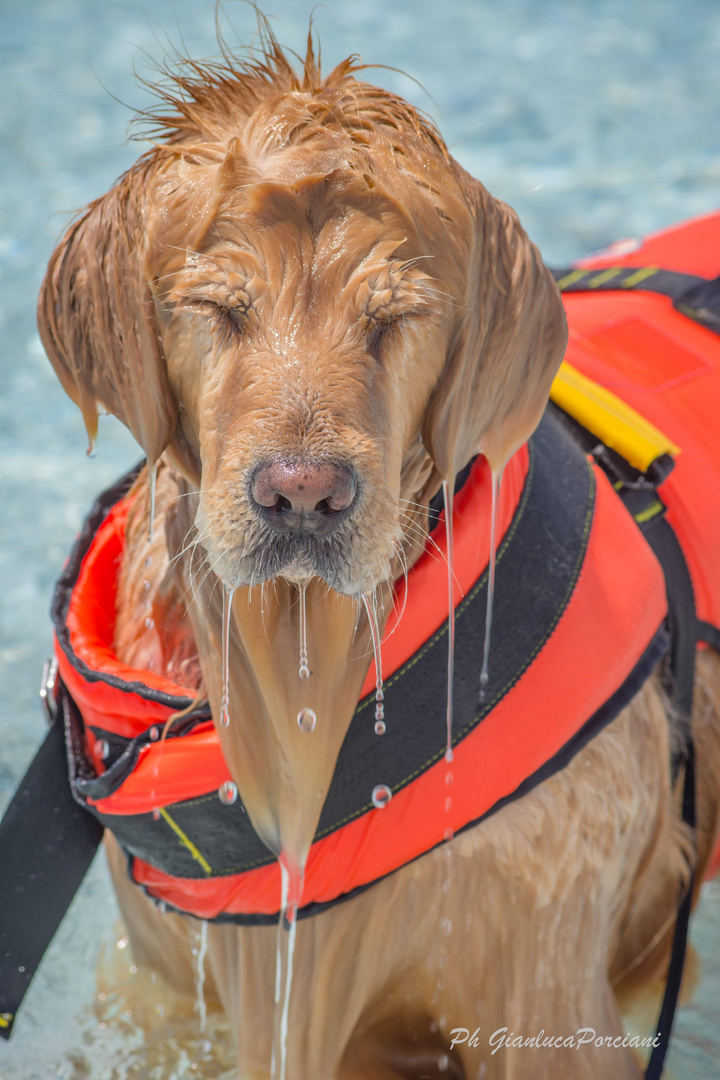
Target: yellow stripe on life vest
{"points": [[614, 422], [186, 841]]}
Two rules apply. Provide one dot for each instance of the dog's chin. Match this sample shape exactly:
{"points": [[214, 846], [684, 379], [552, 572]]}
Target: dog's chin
{"points": [[297, 560]]}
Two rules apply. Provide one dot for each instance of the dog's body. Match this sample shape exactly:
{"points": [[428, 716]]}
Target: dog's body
{"points": [[300, 291]]}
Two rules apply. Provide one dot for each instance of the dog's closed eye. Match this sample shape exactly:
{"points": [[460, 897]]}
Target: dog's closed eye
{"points": [[387, 296], [225, 297]]}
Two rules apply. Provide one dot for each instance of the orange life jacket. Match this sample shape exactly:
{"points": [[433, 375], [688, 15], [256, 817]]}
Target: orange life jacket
{"points": [[578, 625]]}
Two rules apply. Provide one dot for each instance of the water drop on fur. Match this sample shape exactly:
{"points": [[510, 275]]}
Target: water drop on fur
{"points": [[306, 719], [103, 748]]}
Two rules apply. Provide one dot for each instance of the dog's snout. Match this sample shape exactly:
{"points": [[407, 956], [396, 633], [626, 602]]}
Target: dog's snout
{"points": [[304, 496]]}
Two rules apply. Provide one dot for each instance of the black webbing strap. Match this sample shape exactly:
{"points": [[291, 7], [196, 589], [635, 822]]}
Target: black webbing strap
{"points": [[639, 493], [679, 946], [47, 842], [694, 296], [679, 678]]}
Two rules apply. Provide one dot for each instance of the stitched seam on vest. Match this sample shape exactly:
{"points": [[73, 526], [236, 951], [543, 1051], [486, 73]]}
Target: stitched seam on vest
{"points": [[561, 608]]}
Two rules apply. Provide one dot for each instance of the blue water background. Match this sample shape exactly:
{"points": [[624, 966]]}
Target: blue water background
{"points": [[594, 120]]}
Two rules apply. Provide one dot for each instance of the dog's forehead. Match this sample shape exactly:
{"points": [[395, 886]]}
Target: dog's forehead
{"points": [[323, 225]]}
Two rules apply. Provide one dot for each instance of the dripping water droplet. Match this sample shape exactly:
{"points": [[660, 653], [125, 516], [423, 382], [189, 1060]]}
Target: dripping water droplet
{"points": [[380, 727], [227, 612], [306, 719], [304, 670], [446, 926], [496, 478], [443, 1063], [381, 796], [371, 609], [149, 623], [448, 805], [228, 792], [156, 813], [148, 562], [103, 748], [154, 734], [449, 778]]}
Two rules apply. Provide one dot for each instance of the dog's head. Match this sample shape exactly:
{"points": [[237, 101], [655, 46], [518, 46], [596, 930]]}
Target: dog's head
{"points": [[315, 313]]}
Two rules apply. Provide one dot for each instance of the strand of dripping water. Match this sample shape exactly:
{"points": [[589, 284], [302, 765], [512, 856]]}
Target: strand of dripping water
{"points": [[496, 479], [445, 922], [306, 717], [371, 611], [304, 670], [152, 477], [227, 612], [448, 502], [201, 951], [291, 878]]}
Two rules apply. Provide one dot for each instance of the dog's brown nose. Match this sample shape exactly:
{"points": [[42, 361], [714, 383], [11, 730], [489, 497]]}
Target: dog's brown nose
{"points": [[304, 496]]}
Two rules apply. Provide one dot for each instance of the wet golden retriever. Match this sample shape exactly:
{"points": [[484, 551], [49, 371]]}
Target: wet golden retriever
{"points": [[298, 301]]}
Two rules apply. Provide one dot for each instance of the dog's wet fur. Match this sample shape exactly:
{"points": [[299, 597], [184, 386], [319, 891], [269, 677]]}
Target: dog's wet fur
{"points": [[309, 315]]}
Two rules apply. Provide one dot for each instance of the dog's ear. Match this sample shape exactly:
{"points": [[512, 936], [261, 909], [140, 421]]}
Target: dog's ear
{"points": [[509, 340], [96, 319]]}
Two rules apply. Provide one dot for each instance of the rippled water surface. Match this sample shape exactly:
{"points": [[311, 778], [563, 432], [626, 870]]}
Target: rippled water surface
{"points": [[595, 121]]}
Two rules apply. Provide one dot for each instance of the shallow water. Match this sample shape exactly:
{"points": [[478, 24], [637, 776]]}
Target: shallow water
{"points": [[594, 121]]}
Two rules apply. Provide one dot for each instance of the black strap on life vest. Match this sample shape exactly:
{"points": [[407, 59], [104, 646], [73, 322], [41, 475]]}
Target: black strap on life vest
{"points": [[696, 297], [638, 492], [47, 843]]}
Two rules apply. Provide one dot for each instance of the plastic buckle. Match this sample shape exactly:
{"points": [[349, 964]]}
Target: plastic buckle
{"points": [[48, 689]]}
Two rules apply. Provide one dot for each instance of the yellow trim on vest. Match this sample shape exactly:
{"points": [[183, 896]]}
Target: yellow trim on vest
{"points": [[186, 841], [616, 424]]}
